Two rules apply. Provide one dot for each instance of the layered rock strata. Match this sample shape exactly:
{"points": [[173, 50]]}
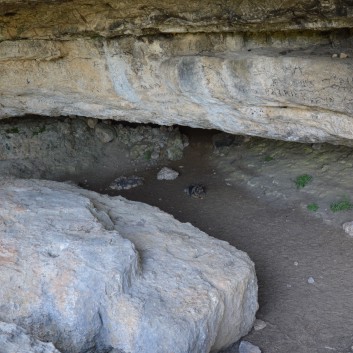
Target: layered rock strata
{"points": [[206, 81], [277, 69], [23, 19]]}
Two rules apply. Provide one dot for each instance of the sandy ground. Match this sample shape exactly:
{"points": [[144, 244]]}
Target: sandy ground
{"points": [[288, 243], [253, 203]]}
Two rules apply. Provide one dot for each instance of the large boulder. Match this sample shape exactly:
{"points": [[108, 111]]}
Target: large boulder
{"points": [[92, 273]]}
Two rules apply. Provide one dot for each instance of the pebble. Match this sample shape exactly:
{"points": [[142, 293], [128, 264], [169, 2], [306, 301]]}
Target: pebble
{"points": [[259, 325], [348, 228], [247, 347], [296, 263], [105, 133], [155, 155], [92, 122], [343, 55], [325, 168], [335, 55], [167, 174], [311, 280]]}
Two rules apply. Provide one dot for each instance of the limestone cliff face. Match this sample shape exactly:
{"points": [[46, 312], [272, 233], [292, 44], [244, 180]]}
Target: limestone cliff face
{"points": [[62, 18], [252, 67]]}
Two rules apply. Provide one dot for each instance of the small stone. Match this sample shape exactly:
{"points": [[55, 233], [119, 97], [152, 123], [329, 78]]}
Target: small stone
{"points": [[247, 347], [174, 153], [105, 133], [311, 280], [348, 228], [126, 183], [167, 174], [324, 168], [92, 122], [197, 191], [334, 55], [343, 56], [155, 154], [259, 325], [296, 263]]}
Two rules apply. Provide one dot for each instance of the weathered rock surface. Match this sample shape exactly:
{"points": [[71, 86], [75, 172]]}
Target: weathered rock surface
{"points": [[150, 285], [53, 18], [278, 69], [61, 149], [242, 84], [14, 339]]}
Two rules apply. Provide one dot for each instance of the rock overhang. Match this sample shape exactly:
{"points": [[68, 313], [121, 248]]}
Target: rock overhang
{"points": [[255, 68]]}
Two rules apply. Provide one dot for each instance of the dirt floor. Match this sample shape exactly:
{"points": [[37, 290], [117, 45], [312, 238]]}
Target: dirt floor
{"points": [[290, 245], [303, 258]]}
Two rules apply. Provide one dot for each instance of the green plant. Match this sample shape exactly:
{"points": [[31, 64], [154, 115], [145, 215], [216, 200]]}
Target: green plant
{"points": [[303, 180], [40, 131], [342, 205], [268, 158], [14, 130], [147, 155], [313, 207]]}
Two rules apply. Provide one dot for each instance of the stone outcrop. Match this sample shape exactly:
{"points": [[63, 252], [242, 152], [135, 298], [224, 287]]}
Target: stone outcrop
{"points": [[207, 81], [61, 149], [277, 69], [92, 273], [23, 19], [14, 339]]}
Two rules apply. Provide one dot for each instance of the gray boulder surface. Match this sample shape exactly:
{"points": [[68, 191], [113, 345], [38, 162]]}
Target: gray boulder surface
{"points": [[143, 282], [14, 339]]}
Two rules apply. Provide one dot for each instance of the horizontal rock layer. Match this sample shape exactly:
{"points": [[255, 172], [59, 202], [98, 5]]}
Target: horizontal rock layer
{"points": [[257, 85], [92, 273], [56, 19]]}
